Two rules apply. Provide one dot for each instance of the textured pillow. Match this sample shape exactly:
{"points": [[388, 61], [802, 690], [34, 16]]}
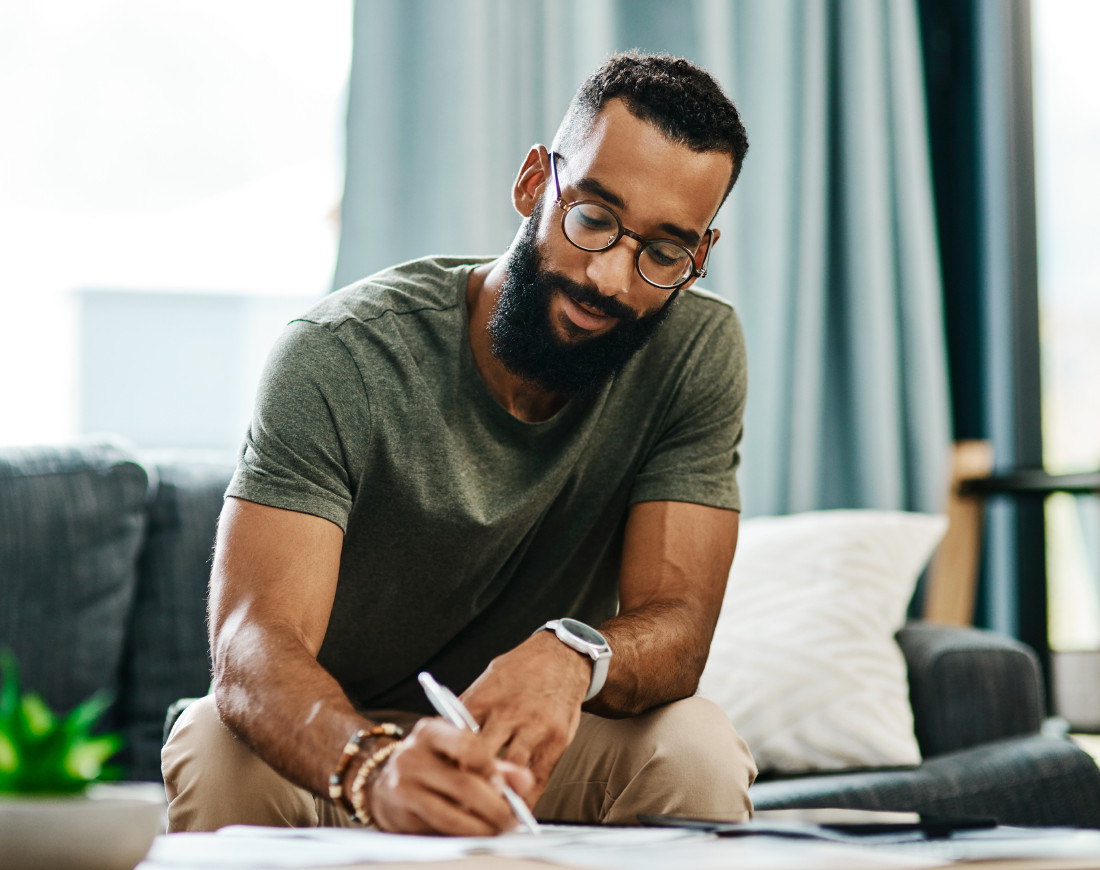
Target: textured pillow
{"points": [[804, 660], [72, 518]]}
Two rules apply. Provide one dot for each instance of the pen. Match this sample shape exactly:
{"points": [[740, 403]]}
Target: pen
{"points": [[454, 711]]}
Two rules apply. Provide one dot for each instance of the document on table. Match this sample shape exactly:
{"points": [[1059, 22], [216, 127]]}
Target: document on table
{"points": [[243, 847]]}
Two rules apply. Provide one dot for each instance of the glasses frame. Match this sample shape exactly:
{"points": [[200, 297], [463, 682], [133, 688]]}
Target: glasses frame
{"points": [[643, 243]]}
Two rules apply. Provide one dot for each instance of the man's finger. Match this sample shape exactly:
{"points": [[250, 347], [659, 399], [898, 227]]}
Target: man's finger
{"points": [[497, 733], [520, 779], [464, 749], [521, 748], [437, 815]]}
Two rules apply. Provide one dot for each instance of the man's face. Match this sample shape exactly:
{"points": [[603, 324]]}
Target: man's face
{"points": [[568, 320], [523, 333]]}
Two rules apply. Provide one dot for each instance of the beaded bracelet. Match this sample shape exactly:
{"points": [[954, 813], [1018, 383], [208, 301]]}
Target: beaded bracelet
{"points": [[351, 749], [360, 811]]}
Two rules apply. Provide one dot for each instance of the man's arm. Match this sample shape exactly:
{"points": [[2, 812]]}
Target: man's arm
{"points": [[271, 593], [272, 590], [676, 558]]}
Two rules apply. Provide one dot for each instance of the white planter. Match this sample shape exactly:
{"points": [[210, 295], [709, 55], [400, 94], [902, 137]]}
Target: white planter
{"points": [[108, 827]]}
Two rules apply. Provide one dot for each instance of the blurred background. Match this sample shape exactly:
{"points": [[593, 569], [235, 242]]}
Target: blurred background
{"points": [[911, 246]]}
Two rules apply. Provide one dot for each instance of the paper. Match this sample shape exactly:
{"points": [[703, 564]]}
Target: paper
{"points": [[243, 847], [1007, 843]]}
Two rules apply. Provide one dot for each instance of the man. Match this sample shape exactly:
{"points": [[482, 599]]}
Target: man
{"points": [[449, 455]]}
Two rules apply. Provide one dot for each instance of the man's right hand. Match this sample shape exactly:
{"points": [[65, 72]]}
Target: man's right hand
{"points": [[443, 780]]}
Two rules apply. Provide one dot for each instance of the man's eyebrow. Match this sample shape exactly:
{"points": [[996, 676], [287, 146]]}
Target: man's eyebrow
{"points": [[688, 237], [594, 188], [590, 185]]}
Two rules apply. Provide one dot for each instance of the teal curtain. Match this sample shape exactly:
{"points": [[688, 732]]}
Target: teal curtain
{"points": [[829, 248], [978, 66]]}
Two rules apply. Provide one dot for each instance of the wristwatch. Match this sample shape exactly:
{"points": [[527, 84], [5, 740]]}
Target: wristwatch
{"points": [[587, 641]]}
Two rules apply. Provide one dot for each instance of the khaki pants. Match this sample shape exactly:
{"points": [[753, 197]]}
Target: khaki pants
{"points": [[684, 759]]}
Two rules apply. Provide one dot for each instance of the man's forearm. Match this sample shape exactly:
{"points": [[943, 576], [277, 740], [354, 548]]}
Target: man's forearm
{"points": [[658, 654], [274, 695]]}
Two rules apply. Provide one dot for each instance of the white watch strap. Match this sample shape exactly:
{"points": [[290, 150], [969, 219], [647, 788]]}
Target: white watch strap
{"points": [[600, 658], [599, 675]]}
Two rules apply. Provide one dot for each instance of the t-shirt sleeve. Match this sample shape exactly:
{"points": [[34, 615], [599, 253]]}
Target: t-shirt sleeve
{"points": [[697, 453], [296, 454]]}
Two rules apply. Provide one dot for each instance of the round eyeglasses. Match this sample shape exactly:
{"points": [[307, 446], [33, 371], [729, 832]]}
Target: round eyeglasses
{"points": [[593, 226]]}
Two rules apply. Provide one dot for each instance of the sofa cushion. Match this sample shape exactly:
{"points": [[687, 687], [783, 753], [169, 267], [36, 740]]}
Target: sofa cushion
{"points": [[167, 655], [72, 518], [804, 659]]}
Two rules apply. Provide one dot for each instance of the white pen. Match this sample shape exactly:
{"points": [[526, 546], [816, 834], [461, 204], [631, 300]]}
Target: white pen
{"points": [[448, 706]]}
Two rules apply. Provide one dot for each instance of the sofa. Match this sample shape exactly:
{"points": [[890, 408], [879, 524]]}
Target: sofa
{"points": [[104, 564]]}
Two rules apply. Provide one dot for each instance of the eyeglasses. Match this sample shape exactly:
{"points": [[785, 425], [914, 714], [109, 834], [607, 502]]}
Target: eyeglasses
{"points": [[592, 226]]}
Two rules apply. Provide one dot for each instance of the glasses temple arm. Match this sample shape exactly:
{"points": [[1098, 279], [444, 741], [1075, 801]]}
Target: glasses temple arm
{"points": [[701, 272]]}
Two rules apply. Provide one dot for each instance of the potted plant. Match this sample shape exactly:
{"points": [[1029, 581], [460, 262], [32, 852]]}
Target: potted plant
{"points": [[55, 810]]}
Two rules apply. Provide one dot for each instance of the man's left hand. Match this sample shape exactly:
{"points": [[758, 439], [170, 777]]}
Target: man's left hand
{"points": [[528, 702]]}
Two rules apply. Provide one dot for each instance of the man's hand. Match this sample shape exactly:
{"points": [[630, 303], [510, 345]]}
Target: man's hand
{"points": [[528, 703], [443, 780]]}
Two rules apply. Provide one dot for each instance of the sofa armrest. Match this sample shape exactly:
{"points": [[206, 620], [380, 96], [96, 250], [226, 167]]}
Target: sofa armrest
{"points": [[969, 686], [1032, 780]]}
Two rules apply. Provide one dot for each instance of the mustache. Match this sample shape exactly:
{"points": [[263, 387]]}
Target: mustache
{"points": [[593, 298]]}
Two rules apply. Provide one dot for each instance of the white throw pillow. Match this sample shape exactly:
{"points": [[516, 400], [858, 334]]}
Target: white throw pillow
{"points": [[804, 659]]}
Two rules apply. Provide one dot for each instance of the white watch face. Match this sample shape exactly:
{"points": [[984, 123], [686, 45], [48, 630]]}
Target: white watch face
{"points": [[583, 632]]}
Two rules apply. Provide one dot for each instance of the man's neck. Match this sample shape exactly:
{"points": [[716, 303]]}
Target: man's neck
{"points": [[518, 397]]}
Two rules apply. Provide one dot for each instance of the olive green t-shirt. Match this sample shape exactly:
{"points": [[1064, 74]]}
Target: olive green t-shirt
{"points": [[465, 527]]}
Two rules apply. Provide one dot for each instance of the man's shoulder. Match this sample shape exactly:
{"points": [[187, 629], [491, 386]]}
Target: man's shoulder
{"points": [[702, 332], [698, 312], [425, 284], [702, 303]]}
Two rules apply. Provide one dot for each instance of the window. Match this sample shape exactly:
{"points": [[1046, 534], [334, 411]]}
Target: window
{"points": [[177, 152], [1067, 146]]}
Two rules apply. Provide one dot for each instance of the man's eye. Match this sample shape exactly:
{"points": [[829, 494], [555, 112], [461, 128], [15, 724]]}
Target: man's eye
{"points": [[594, 219], [666, 255]]}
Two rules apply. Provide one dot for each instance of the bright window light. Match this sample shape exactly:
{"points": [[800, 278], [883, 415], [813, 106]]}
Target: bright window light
{"points": [[158, 146], [1067, 142]]}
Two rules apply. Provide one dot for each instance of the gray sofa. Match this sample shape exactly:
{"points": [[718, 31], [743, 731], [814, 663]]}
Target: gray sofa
{"points": [[104, 562]]}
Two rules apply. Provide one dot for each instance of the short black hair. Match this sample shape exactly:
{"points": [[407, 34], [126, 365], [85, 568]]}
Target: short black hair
{"points": [[680, 99]]}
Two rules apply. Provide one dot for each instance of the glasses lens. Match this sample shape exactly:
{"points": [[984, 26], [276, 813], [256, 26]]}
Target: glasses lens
{"points": [[665, 264], [591, 226]]}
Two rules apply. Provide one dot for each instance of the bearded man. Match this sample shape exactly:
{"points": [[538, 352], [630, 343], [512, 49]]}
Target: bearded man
{"points": [[517, 474]]}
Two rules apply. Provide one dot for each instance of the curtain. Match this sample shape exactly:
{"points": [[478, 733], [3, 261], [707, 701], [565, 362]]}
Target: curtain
{"points": [[978, 62], [829, 248]]}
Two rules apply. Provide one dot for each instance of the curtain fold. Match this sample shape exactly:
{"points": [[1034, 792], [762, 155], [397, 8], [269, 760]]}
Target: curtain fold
{"points": [[829, 247]]}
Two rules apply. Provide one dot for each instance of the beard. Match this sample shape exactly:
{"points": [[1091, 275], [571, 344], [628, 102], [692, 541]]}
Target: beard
{"points": [[522, 335]]}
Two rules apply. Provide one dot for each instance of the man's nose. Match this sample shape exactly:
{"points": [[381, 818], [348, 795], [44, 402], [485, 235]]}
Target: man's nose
{"points": [[613, 270]]}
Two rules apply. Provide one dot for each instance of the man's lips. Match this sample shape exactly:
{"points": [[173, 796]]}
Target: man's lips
{"points": [[585, 316]]}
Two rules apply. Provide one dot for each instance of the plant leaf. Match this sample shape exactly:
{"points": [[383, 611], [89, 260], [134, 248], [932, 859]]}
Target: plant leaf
{"points": [[37, 718], [86, 714], [9, 756], [85, 759], [9, 694]]}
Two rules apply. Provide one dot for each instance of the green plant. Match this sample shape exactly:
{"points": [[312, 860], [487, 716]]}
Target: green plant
{"points": [[41, 752]]}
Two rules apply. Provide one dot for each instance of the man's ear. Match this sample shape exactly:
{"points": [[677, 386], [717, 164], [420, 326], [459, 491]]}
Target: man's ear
{"points": [[531, 181], [702, 256]]}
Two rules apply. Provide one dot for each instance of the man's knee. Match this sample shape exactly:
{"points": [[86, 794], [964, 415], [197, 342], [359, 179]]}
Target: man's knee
{"points": [[696, 755], [682, 759], [212, 779]]}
